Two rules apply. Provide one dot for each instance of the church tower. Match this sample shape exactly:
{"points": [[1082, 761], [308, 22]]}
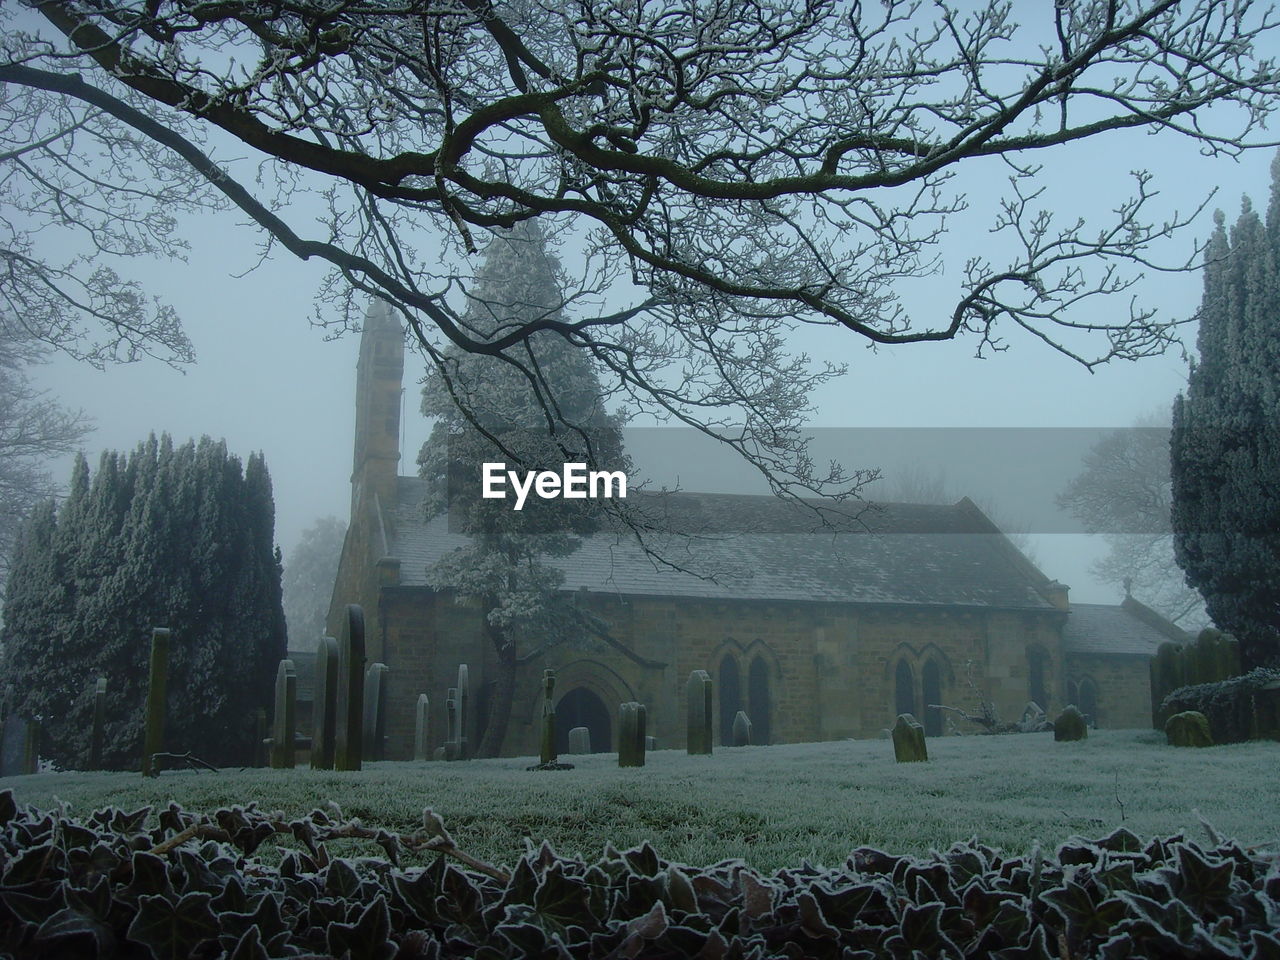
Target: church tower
{"points": [[379, 373]]}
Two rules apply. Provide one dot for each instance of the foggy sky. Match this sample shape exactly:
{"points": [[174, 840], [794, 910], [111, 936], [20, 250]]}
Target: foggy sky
{"points": [[266, 380]]}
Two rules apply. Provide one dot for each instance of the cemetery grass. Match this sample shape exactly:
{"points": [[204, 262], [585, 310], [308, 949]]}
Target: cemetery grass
{"points": [[770, 806]]}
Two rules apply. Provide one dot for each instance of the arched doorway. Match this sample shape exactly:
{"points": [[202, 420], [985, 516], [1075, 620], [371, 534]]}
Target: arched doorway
{"points": [[582, 708], [931, 682], [904, 695], [758, 702], [730, 697]]}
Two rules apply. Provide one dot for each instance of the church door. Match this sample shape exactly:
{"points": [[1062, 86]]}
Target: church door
{"points": [[582, 708]]}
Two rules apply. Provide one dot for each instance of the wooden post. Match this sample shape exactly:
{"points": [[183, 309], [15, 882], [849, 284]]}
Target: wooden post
{"points": [[153, 739]]}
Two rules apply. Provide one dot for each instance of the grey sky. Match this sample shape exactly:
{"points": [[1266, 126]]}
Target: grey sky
{"points": [[266, 380]]}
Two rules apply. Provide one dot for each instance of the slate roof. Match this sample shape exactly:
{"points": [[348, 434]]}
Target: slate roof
{"points": [[761, 548], [1096, 628]]}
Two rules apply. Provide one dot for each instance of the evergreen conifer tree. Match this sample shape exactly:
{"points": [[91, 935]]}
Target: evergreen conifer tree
{"points": [[177, 537], [503, 568], [1226, 436]]}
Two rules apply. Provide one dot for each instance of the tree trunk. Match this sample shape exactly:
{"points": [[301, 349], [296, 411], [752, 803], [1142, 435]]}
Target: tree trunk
{"points": [[504, 690]]}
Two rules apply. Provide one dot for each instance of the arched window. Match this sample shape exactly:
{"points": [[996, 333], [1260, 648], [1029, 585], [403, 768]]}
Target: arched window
{"points": [[904, 695], [931, 681], [582, 708], [1036, 688], [1088, 702], [758, 702], [730, 697]]}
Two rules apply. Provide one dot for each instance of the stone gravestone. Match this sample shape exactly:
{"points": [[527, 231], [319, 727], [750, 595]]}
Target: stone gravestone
{"points": [[19, 747], [451, 717], [741, 729], [908, 740], [284, 720], [324, 707], [698, 690], [547, 751], [1070, 725], [98, 742], [375, 711], [580, 740], [1188, 729], [631, 725], [464, 699], [421, 745], [651, 743], [349, 723], [153, 734]]}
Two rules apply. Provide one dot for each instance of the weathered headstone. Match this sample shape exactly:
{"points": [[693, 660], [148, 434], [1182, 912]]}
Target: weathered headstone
{"points": [[1070, 725], [153, 735], [438, 754], [324, 706], [1188, 729], [99, 740], [651, 743], [698, 690], [547, 751], [19, 746], [284, 720], [908, 740], [349, 726], [464, 700], [741, 729], [375, 711], [421, 746], [451, 746], [580, 740], [631, 726]]}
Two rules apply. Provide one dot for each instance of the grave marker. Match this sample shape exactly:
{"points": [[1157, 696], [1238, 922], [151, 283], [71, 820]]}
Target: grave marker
{"points": [[580, 740], [421, 745], [1070, 725], [698, 690], [463, 698], [99, 724], [284, 720], [324, 708], [547, 752], [348, 728], [153, 735], [631, 737], [908, 740], [375, 710], [741, 729]]}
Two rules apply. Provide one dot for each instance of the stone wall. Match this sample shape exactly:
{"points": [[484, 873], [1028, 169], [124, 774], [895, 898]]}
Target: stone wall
{"points": [[1123, 687], [831, 668]]}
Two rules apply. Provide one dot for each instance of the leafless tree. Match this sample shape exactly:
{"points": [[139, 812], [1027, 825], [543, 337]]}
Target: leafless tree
{"points": [[1125, 494], [729, 169], [34, 428]]}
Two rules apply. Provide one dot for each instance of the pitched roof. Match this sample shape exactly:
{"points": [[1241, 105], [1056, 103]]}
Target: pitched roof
{"points": [[1097, 628], [762, 548]]}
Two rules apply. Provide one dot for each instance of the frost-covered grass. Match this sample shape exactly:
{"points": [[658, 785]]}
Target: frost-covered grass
{"points": [[771, 806]]}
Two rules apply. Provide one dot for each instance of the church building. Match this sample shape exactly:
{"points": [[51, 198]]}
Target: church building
{"points": [[816, 635]]}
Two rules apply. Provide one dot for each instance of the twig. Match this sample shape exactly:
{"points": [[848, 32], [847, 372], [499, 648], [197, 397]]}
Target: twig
{"points": [[1118, 800], [188, 758]]}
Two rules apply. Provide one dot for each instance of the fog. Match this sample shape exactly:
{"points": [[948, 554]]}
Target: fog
{"points": [[266, 379]]}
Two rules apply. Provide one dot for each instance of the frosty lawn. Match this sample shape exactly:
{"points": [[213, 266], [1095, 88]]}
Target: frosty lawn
{"points": [[771, 806]]}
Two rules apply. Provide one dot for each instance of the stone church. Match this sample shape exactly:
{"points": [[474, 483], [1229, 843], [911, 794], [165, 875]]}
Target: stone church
{"points": [[817, 635]]}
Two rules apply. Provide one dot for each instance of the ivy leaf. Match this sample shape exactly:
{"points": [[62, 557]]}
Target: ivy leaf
{"points": [[341, 880], [757, 898], [1084, 918], [417, 894], [32, 903], [812, 922], [921, 930], [1036, 948], [460, 901], [680, 891], [172, 931], [150, 877], [1203, 884], [79, 932], [652, 925], [1121, 841], [249, 947], [643, 860], [128, 823], [1266, 946], [367, 938], [8, 807], [44, 862], [561, 900]]}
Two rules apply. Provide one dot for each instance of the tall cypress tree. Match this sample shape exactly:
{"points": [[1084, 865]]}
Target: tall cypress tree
{"points": [[177, 537], [1225, 445], [503, 569]]}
